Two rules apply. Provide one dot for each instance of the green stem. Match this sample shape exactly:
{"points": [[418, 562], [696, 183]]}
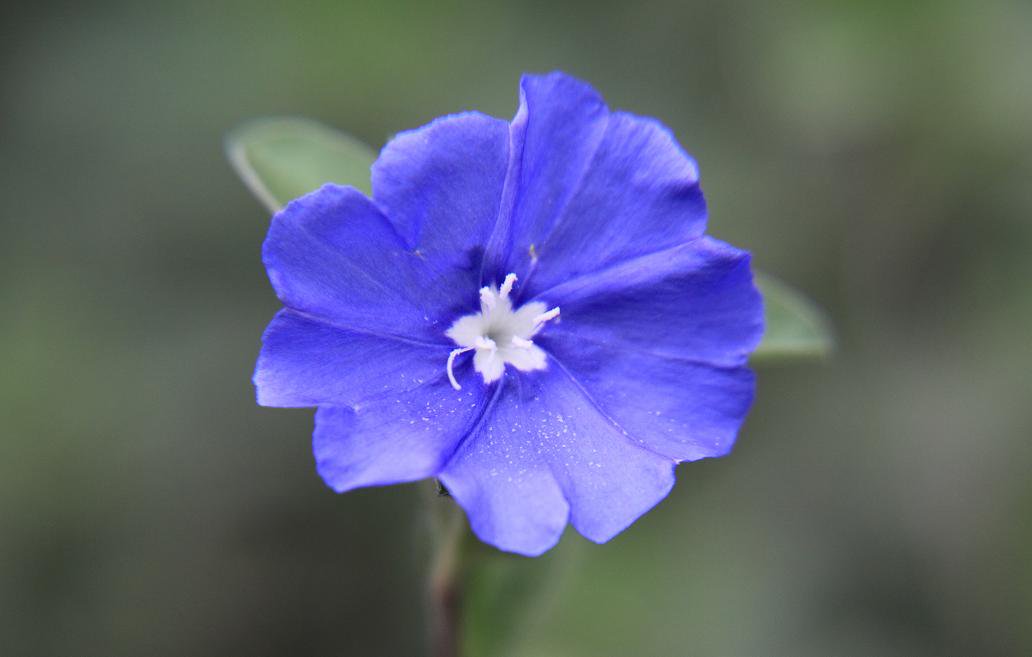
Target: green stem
{"points": [[445, 577]]}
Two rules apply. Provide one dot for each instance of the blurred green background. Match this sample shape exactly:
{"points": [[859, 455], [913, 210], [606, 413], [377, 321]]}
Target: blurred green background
{"points": [[876, 154]]}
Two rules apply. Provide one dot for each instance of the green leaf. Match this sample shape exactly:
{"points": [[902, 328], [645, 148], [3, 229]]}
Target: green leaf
{"points": [[796, 327], [280, 159]]}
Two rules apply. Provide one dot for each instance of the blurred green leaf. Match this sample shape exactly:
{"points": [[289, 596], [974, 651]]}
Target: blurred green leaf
{"points": [[280, 159], [796, 327]]}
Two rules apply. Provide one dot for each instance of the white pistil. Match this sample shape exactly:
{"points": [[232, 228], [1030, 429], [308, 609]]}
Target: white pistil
{"points": [[451, 364], [499, 334]]}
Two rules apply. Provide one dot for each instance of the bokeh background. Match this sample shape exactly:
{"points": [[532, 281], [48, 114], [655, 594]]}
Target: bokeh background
{"points": [[875, 154]]}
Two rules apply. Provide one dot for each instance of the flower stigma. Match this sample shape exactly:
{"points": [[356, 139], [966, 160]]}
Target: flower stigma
{"points": [[500, 335]]}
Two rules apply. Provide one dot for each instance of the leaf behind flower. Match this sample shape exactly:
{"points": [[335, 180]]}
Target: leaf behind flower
{"points": [[796, 327], [280, 159]]}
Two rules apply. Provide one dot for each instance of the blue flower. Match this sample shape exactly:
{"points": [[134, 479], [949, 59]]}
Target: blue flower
{"points": [[528, 311]]}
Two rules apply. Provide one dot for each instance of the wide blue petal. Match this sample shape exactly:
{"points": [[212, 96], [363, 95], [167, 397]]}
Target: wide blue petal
{"points": [[332, 254], [682, 409], [404, 436], [441, 185], [590, 188], [554, 136], [544, 450], [640, 195], [305, 361], [693, 302]]}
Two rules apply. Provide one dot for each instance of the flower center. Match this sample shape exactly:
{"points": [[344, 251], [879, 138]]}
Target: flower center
{"points": [[500, 335]]}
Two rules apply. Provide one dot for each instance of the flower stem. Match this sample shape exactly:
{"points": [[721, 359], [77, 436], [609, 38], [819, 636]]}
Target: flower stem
{"points": [[445, 576]]}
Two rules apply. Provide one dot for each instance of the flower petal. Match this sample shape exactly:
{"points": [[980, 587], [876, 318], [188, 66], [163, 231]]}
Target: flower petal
{"points": [[402, 437], [441, 184], [554, 135], [592, 188], [693, 302], [512, 499], [333, 254], [544, 449], [641, 194], [307, 362], [684, 410]]}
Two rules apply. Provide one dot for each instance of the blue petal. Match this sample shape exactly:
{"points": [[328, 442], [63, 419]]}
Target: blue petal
{"points": [[591, 188], [441, 185], [405, 436], [693, 302], [513, 501], [306, 362], [682, 409], [640, 195], [332, 254], [554, 135], [545, 450]]}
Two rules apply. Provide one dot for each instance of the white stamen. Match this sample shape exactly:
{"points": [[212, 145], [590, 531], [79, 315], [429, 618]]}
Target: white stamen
{"points": [[546, 316], [507, 284], [451, 364], [500, 334], [487, 298]]}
